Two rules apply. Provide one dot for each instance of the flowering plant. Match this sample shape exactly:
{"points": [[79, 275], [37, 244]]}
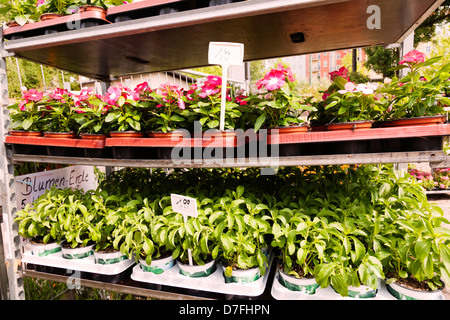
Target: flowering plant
{"points": [[442, 178], [91, 113], [20, 11], [345, 101], [124, 110], [60, 111], [421, 91], [169, 110], [205, 104], [27, 114], [277, 100], [426, 179]]}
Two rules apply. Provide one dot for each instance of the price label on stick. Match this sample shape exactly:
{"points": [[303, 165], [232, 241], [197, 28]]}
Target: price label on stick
{"points": [[226, 53], [185, 205]]}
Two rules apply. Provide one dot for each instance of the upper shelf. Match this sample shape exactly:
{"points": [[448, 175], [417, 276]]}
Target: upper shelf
{"points": [[268, 29]]}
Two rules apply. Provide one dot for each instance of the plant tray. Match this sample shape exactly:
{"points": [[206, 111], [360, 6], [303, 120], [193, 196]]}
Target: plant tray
{"points": [[213, 283], [87, 264], [361, 134], [64, 23], [279, 292], [57, 142], [147, 8]]}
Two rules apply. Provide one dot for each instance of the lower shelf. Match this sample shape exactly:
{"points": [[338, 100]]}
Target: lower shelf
{"points": [[438, 157]]}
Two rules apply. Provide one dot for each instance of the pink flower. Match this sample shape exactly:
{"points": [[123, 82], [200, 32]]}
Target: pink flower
{"points": [[213, 81], [413, 57], [58, 94], [85, 94], [112, 95], [142, 88], [274, 80], [208, 91], [342, 72], [40, 3], [325, 96], [349, 87], [32, 95], [23, 105]]}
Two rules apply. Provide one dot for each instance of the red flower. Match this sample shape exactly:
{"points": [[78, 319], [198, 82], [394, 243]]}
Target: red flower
{"points": [[342, 72]]}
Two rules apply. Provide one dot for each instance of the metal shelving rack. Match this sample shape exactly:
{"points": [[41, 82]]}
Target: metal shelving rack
{"points": [[268, 29]]}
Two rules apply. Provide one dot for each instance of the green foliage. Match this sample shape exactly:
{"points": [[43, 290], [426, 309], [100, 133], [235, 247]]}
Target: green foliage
{"points": [[382, 60], [345, 226]]}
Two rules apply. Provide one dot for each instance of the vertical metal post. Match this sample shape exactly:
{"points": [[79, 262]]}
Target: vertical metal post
{"points": [[10, 235]]}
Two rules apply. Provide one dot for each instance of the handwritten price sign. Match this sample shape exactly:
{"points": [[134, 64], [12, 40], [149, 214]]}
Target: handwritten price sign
{"points": [[185, 205], [226, 53]]}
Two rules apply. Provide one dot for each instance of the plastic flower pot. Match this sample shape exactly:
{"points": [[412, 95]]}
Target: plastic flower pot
{"points": [[60, 135], [362, 292], [106, 258], [42, 250], [353, 125], [243, 276], [303, 285], [157, 266], [416, 121], [77, 253], [23, 133], [197, 271], [403, 293]]}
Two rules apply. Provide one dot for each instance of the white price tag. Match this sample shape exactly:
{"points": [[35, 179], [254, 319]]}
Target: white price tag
{"points": [[185, 205], [226, 53]]}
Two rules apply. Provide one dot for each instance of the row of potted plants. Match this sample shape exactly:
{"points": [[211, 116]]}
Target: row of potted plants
{"points": [[345, 227], [29, 11], [435, 180], [276, 104]]}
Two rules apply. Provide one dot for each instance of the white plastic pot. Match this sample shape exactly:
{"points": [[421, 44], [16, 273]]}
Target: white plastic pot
{"points": [[362, 292], [303, 285], [197, 271], [157, 266], [42, 250], [77, 253], [243, 276], [109, 257], [402, 293]]}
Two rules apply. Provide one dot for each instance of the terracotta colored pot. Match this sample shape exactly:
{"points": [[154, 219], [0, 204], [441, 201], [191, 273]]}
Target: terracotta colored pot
{"points": [[49, 16], [353, 125], [126, 134], [223, 133], [164, 135], [91, 8], [419, 121], [60, 135], [288, 130], [23, 133], [92, 136], [12, 24]]}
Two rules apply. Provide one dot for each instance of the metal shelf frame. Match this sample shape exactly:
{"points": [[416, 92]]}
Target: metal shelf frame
{"points": [[268, 28]]}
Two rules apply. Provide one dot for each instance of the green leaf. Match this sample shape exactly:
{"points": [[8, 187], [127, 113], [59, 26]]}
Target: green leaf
{"points": [[422, 249], [260, 121]]}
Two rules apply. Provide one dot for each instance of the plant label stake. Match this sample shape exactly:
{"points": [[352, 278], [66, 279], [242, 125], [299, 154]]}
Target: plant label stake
{"points": [[225, 54], [187, 207]]}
